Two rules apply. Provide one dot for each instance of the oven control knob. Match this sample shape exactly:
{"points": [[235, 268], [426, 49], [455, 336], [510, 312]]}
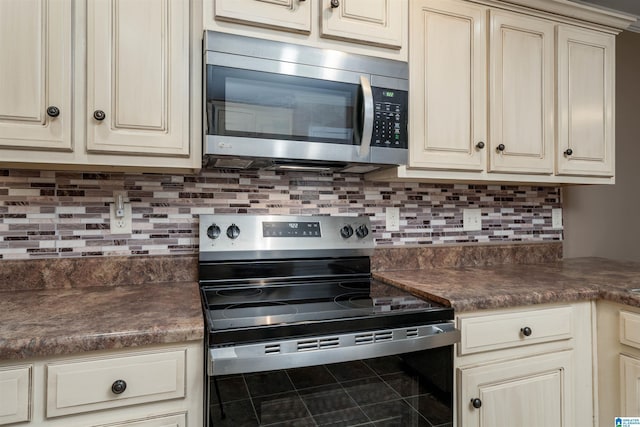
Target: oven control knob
{"points": [[346, 231], [213, 231], [362, 231], [233, 231]]}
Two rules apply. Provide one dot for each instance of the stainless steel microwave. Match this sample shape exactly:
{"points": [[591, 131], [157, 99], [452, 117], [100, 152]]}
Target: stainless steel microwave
{"points": [[269, 104]]}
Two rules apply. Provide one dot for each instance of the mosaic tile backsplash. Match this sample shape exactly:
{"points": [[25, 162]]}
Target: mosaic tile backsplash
{"points": [[46, 214]]}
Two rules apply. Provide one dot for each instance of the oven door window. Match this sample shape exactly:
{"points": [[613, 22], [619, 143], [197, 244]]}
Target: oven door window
{"points": [[262, 105]]}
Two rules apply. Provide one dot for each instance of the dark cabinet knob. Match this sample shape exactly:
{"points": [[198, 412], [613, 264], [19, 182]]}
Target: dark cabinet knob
{"points": [[526, 331], [476, 403], [335, 3], [233, 231], [99, 115], [568, 152], [213, 232], [346, 231], [53, 111], [362, 231], [480, 145], [500, 147], [118, 386]]}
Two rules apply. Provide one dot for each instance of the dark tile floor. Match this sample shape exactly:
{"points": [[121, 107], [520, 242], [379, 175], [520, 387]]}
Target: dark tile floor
{"points": [[376, 392]]}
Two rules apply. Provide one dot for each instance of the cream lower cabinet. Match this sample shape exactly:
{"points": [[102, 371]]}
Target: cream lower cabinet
{"points": [[529, 366], [15, 394], [101, 83], [618, 361], [147, 387]]}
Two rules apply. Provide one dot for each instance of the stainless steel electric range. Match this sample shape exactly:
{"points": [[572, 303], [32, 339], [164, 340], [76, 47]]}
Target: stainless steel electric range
{"points": [[298, 332]]}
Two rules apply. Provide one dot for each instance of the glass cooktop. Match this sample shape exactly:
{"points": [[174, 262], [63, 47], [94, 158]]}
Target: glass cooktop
{"points": [[248, 313]]}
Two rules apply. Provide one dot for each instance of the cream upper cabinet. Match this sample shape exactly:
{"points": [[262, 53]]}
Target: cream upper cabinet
{"points": [[448, 85], [35, 74], [521, 84], [101, 83], [586, 67], [377, 22], [367, 27], [456, 121], [289, 15], [500, 93], [138, 76]]}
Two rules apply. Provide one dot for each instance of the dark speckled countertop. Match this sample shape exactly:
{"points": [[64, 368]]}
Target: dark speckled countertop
{"points": [[501, 286], [52, 322]]}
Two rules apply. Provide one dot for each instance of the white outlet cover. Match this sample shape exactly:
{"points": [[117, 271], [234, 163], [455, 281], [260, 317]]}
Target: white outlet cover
{"points": [[472, 220], [556, 218], [393, 219], [120, 225]]}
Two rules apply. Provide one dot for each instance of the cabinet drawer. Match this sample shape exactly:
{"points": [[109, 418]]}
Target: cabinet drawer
{"points": [[15, 394], [498, 331], [89, 385], [178, 420], [630, 328]]}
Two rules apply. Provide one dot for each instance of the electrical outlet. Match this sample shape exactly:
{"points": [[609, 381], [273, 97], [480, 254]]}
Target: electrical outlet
{"points": [[122, 224], [471, 220], [556, 218], [393, 219]]}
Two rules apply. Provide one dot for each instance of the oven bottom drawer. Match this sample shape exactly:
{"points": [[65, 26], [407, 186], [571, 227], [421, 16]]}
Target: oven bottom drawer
{"points": [[301, 352]]}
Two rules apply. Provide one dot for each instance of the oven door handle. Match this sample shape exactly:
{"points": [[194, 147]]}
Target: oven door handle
{"points": [[367, 119], [295, 353]]}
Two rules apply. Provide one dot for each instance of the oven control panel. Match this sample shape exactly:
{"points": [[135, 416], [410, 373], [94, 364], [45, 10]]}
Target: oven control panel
{"points": [[273, 235]]}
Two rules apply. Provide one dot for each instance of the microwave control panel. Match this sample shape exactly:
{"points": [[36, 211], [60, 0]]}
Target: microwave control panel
{"points": [[389, 118]]}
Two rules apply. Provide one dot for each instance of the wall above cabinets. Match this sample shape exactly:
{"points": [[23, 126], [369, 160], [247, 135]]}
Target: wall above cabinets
{"points": [[500, 92]]}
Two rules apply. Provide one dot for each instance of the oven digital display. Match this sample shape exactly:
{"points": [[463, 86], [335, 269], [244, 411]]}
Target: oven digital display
{"points": [[291, 229]]}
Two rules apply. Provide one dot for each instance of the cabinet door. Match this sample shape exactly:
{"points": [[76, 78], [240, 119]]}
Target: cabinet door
{"points": [[377, 22], [15, 395], [289, 15], [521, 87], [447, 70], [585, 143], [138, 77], [35, 74], [534, 391], [629, 386]]}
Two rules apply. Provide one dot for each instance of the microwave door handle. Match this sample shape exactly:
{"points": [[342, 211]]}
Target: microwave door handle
{"points": [[367, 122]]}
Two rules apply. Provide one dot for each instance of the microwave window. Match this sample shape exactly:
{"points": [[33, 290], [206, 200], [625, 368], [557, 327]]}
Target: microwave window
{"points": [[255, 104]]}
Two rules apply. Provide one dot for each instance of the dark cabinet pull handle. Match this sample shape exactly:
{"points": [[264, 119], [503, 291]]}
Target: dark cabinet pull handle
{"points": [[476, 403], [568, 152], [526, 331], [53, 111], [480, 145], [501, 147], [99, 115], [335, 3], [118, 386]]}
